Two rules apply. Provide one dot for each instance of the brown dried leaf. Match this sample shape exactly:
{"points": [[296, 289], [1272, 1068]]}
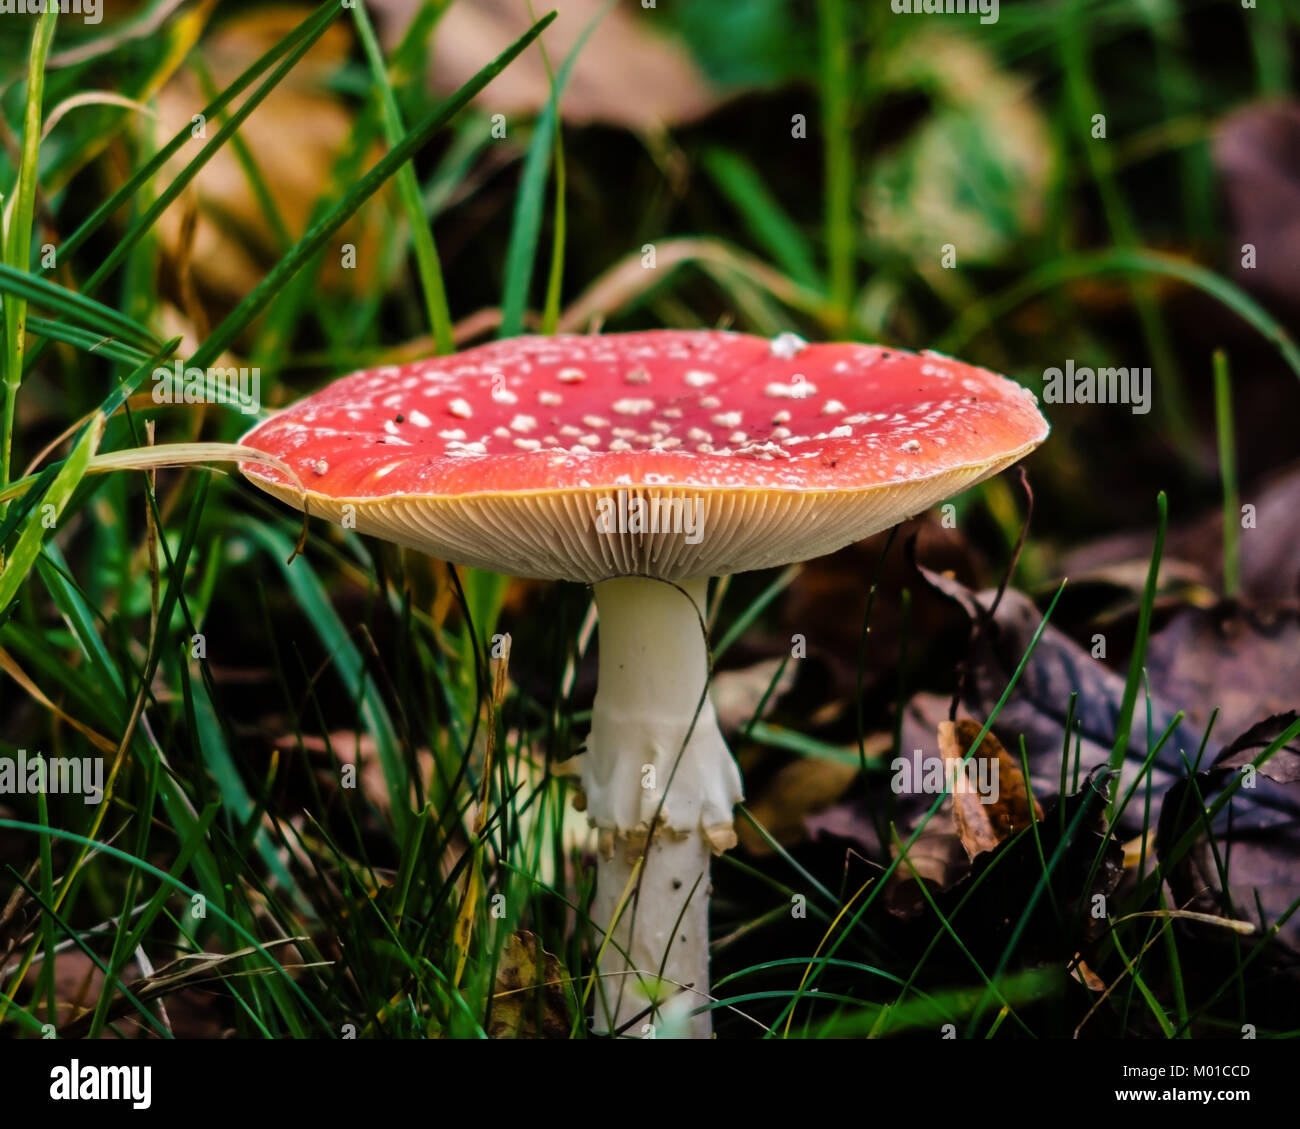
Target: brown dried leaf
{"points": [[799, 789], [296, 136], [982, 826], [1085, 976], [737, 694], [626, 75]]}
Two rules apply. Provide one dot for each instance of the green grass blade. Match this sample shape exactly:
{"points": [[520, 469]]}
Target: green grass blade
{"points": [[1121, 261], [408, 192], [31, 538], [770, 227], [337, 640], [1228, 473], [164, 199], [87, 341], [314, 239], [322, 16], [104, 319], [1129, 702], [837, 151], [18, 235], [176, 884], [526, 228]]}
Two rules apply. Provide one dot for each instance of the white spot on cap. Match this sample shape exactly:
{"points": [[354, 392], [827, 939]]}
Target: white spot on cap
{"points": [[727, 419], [796, 390], [456, 433], [831, 407], [697, 379], [528, 444], [595, 421], [523, 423], [787, 345], [699, 435], [550, 399], [637, 376], [633, 407], [504, 396], [839, 433], [708, 403], [570, 376], [460, 409], [418, 418], [320, 466], [911, 447], [390, 427]]}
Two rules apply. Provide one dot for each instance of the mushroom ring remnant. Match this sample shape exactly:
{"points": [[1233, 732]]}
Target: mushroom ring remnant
{"points": [[643, 464]]}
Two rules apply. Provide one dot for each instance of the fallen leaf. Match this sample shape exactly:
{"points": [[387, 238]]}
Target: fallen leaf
{"points": [[295, 136], [1037, 706], [1244, 662], [797, 790], [1257, 153], [528, 1001], [627, 75], [1059, 925], [737, 694], [982, 824]]}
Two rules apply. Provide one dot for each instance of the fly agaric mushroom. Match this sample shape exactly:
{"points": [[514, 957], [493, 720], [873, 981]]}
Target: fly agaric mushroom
{"points": [[643, 464]]}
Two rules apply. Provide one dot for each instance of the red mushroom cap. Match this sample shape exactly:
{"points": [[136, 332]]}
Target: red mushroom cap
{"points": [[499, 456]]}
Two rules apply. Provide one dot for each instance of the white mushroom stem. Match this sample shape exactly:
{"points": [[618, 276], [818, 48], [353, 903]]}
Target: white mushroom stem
{"points": [[651, 756]]}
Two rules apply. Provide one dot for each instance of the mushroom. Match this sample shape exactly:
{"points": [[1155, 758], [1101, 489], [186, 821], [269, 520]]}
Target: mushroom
{"points": [[643, 464]]}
